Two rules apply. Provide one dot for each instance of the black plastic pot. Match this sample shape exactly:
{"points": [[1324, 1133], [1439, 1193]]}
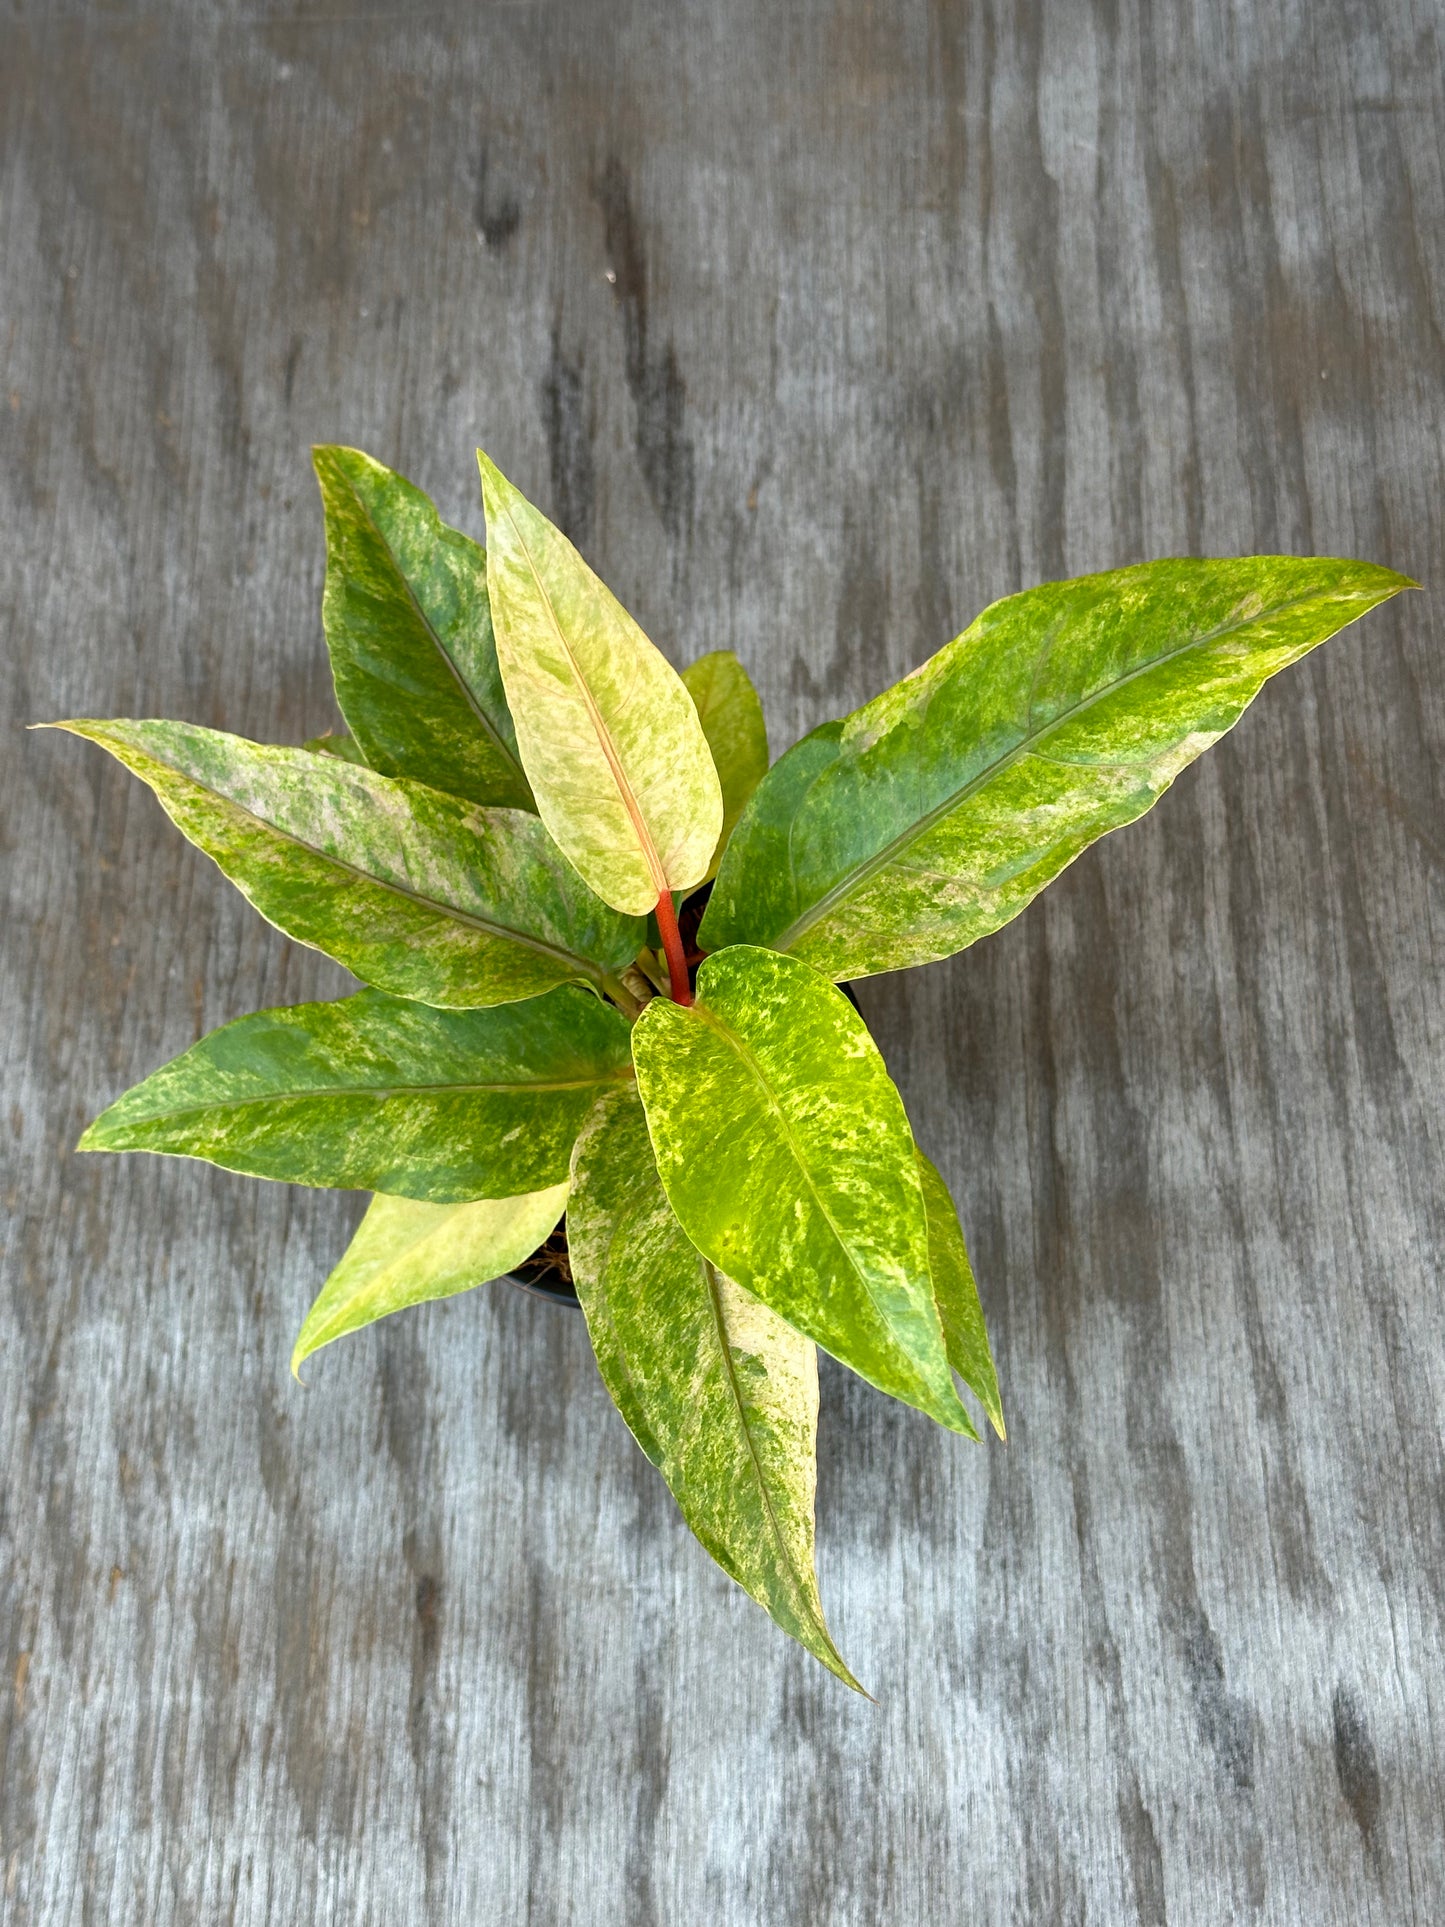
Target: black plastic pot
{"points": [[547, 1274], [541, 1275], [549, 1285]]}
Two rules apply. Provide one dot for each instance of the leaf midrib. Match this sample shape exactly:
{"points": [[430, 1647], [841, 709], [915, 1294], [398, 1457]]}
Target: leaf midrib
{"points": [[801, 1585], [503, 932], [380, 1093], [870, 867], [469, 695], [640, 830], [750, 1062]]}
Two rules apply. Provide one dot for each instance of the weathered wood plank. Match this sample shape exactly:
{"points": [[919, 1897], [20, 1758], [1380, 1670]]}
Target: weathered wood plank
{"points": [[819, 326]]}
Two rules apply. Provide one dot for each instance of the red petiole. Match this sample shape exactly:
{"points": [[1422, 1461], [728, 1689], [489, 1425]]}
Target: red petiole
{"points": [[672, 945]]}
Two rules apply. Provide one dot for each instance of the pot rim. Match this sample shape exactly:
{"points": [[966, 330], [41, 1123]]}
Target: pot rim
{"points": [[563, 1295]]}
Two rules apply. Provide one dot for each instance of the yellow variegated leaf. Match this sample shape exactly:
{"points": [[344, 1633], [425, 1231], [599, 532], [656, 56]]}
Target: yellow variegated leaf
{"points": [[406, 1251], [421, 894], [785, 1152], [965, 1337], [732, 720], [718, 1391], [936, 812], [608, 734], [410, 636], [374, 1093]]}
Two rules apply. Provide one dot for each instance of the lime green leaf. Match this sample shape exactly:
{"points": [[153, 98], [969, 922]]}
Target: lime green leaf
{"points": [[418, 893], [609, 737], [406, 1251], [732, 721], [720, 1394], [956, 1295], [785, 1152], [338, 744], [374, 1094], [937, 811], [410, 636]]}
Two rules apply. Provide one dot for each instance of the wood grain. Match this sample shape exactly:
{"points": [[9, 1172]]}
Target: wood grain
{"points": [[818, 326]]}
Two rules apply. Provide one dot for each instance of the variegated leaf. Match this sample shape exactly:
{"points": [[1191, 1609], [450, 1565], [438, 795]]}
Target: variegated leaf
{"points": [[418, 893], [737, 734], [955, 1292], [785, 1152], [374, 1094], [719, 1392], [937, 811], [608, 734], [409, 631], [406, 1251]]}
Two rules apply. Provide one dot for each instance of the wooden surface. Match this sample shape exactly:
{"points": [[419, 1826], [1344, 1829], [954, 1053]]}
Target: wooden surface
{"points": [[819, 326]]}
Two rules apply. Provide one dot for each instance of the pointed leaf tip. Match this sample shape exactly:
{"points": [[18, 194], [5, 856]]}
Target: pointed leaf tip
{"points": [[937, 812], [407, 1252], [719, 1392], [956, 1294]]}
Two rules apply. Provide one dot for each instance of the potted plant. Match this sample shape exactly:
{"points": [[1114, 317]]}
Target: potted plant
{"points": [[601, 943]]}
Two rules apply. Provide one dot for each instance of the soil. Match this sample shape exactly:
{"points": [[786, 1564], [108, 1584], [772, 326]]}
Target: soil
{"points": [[548, 1271]]}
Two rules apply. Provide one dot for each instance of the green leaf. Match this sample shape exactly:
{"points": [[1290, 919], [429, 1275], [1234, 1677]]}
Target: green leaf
{"points": [[956, 1295], [373, 1094], [410, 636], [937, 811], [608, 735], [784, 1150], [418, 893], [737, 734], [337, 744], [718, 1391], [406, 1252]]}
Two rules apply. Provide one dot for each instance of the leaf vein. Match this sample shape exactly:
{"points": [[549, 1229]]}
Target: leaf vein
{"points": [[378, 1093], [499, 742], [502, 931], [801, 1580], [869, 868], [599, 727]]}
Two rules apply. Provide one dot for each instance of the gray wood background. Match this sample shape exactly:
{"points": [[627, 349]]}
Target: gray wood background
{"points": [[819, 325]]}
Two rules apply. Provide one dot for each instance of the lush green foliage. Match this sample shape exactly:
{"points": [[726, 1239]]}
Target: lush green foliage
{"points": [[499, 847]]}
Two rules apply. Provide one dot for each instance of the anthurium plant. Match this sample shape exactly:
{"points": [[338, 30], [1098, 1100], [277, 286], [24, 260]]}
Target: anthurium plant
{"points": [[602, 942]]}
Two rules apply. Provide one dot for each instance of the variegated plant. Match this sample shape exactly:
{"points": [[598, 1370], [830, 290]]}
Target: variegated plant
{"points": [[528, 800]]}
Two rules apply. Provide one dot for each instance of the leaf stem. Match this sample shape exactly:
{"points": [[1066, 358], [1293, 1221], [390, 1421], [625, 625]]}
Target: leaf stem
{"points": [[629, 1005], [672, 944], [650, 966]]}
